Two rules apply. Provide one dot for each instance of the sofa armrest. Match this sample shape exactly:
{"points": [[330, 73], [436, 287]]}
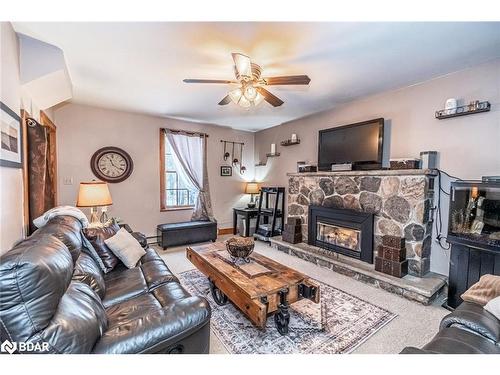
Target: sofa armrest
{"points": [[473, 317], [141, 238]]}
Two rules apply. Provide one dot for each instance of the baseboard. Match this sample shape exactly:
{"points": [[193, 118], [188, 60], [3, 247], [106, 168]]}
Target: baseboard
{"points": [[222, 231]]}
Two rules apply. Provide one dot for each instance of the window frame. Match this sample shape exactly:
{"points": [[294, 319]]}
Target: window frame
{"points": [[163, 183]]}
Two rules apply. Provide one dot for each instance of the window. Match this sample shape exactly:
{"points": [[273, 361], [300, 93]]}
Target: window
{"points": [[177, 191]]}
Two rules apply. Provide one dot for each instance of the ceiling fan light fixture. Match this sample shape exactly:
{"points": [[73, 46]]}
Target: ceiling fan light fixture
{"points": [[251, 89], [258, 99], [250, 92], [235, 95], [244, 102]]}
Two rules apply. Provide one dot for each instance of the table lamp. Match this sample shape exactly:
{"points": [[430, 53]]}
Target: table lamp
{"points": [[252, 188], [94, 194]]}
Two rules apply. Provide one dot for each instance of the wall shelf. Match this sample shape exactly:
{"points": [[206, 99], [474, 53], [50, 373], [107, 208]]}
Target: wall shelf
{"points": [[289, 142], [275, 155], [463, 110], [261, 164]]}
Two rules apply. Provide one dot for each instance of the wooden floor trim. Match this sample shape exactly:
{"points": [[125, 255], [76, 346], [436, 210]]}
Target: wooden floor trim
{"points": [[222, 231]]}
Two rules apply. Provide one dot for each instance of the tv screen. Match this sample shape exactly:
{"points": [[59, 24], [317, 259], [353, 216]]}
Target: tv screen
{"points": [[360, 144]]}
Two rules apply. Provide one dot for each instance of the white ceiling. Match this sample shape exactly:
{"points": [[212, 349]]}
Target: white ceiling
{"points": [[140, 66]]}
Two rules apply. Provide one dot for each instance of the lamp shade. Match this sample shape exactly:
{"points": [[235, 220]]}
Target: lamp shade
{"points": [[252, 188], [94, 193]]}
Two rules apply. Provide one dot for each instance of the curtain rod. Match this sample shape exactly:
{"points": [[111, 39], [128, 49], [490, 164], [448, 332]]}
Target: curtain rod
{"points": [[185, 132]]}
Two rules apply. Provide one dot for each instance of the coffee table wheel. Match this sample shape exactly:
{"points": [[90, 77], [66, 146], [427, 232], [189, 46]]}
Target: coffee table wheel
{"points": [[282, 316], [219, 297]]}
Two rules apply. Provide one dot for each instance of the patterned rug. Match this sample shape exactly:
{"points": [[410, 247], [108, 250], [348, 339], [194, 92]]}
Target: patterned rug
{"points": [[338, 324]]}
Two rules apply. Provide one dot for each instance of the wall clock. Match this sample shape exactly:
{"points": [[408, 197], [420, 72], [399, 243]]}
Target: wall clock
{"points": [[111, 164]]}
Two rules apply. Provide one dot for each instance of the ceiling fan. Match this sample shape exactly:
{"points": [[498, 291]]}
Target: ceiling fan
{"points": [[250, 90]]}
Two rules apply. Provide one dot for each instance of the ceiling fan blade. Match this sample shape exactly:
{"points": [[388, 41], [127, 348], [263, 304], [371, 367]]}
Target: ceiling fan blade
{"points": [[189, 80], [288, 80], [270, 98], [226, 100], [243, 65]]}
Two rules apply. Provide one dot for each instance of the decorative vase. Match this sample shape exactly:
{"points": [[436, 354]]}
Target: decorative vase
{"points": [[451, 106]]}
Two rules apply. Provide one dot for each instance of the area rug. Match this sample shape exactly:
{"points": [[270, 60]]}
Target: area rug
{"points": [[338, 324]]}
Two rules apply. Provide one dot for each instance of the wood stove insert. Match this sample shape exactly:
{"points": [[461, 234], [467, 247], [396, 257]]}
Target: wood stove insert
{"points": [[342, 231]]}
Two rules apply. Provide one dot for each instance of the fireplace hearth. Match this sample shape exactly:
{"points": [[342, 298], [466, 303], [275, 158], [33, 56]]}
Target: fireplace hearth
{"points": [[342, 231]]}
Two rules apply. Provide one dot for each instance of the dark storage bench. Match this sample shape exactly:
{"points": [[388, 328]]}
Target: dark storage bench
{"points": [[174, 234]]}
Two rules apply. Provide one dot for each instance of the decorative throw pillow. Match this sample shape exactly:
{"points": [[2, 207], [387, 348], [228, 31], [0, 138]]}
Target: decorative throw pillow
{"points": [[487, 288], [493, 307], [96, 237], [125, 247]]}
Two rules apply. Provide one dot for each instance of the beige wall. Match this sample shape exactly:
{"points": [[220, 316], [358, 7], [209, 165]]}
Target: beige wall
{"points": [[81, 130], [11, 203], [468, 146]]}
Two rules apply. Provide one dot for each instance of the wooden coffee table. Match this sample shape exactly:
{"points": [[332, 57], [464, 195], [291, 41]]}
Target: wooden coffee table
{"points": [[259, 288]]}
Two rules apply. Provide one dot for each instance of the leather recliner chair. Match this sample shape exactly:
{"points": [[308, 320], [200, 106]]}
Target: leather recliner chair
{"points": [[53, 292], [468, 330]]}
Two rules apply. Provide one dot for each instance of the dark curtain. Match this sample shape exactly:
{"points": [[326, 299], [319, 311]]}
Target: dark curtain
{"points": [[40, 171]]}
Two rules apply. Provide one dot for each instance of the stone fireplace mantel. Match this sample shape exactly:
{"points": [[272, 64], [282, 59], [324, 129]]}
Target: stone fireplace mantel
{"points": [[378, 172], [401, 201]]}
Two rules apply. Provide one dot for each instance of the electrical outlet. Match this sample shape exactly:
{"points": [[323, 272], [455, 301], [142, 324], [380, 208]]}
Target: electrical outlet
{"points": [[67, 180]]}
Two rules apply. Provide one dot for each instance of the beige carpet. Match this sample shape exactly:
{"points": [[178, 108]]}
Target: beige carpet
{"points": [[414, 325]]}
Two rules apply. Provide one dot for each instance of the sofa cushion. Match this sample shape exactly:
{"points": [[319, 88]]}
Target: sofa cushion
{"points": [[134, 308], [34, 276], [167, 294], [67, 229], [157, 273], [87, 271], [96, 237], [78, 323], [150, 256], [123, 283], [147, 323], [125, 247]]}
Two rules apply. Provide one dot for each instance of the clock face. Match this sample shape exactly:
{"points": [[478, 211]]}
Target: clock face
{"points": [[111, 164]]}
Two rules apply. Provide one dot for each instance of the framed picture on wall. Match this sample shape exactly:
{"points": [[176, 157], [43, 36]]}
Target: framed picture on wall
{"points": [[11, 149], [226, 171]]}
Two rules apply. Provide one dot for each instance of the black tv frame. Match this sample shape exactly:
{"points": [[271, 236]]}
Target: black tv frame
{"points": [[358, 164]]}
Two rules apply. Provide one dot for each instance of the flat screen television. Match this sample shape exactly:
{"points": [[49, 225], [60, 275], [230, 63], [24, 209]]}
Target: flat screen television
{"points": [[360, 144]]}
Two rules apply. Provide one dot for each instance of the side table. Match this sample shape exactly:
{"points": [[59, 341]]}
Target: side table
{"points": [[247, 213]]}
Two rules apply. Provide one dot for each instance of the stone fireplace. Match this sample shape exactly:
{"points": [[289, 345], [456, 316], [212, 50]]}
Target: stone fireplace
{"points": [[342, 231], [399, 200]]}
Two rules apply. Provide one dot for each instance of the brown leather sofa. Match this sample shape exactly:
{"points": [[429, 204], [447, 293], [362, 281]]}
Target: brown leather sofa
{"points": [[52, 291], [468, 330]]}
